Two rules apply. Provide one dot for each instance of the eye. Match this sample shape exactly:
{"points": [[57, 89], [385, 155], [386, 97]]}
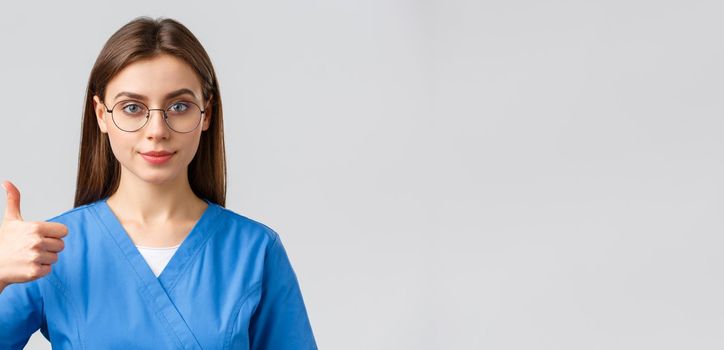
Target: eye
{"points": [[178, 107], [132, 108]]}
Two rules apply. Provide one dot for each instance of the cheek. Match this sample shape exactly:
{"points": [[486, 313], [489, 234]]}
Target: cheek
{"points": [[121, 144], [190, 146]]}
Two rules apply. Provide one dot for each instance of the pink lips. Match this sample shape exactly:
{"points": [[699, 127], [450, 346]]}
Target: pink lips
{"points": [[157, 157]]}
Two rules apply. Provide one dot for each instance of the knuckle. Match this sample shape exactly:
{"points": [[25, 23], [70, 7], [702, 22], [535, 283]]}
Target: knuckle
{"points": [[34, 227], [36, 241], [34, 255], [35, 271]]}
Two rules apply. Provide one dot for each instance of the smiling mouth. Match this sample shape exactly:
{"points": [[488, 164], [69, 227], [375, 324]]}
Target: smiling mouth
{"points": [[157, 157]]}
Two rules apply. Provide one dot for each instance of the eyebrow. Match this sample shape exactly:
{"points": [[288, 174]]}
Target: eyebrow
{"points": [[172, 94]]}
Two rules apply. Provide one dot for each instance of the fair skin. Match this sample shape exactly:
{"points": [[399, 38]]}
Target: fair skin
{"points": [[154, 202]]}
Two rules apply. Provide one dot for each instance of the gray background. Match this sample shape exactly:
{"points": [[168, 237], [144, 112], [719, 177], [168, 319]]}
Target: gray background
{"points": [[444, 174]]}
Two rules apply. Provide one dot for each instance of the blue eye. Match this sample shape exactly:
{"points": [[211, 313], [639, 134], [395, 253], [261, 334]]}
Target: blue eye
{"points": [[179, 107], [132, 108]]}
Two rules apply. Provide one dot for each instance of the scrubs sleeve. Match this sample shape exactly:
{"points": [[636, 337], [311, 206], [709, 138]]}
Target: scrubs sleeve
{"points": [[280, 320], [21, 314]]}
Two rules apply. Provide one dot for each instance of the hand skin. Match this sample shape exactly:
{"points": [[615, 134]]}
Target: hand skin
{"points": [[27, 249]]}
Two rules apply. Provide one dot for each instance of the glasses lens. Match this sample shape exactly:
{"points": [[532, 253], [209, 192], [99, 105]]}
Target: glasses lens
{"points": [[183, 116], [130, 115]]}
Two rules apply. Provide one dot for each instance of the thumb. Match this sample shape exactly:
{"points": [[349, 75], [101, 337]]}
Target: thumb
{"points": [[12, 209]]}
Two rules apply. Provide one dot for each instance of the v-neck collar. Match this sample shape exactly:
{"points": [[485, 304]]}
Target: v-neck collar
{"points": [[157, 290], [190, 246]]}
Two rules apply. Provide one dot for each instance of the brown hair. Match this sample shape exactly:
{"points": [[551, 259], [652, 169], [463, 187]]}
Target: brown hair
{"points": [[99, 172]]}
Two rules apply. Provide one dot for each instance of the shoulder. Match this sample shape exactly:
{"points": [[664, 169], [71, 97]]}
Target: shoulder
{"points": [[74, 214], [242, 225]]}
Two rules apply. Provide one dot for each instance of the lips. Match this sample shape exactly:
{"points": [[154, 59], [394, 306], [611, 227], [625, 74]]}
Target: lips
{"points": [[157, 153], [157, 157]]}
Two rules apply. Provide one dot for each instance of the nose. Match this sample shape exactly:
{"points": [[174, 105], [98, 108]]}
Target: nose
{"points": [[156, 128]]}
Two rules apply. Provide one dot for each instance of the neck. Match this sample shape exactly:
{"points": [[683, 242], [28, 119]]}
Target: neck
{"points": [[149, 203]]}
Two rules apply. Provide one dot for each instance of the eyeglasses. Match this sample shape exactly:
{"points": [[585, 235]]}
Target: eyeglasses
{"points": [[181, 116]]}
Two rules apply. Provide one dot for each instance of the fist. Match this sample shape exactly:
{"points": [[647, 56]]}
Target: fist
{"points": [[27, 249]]}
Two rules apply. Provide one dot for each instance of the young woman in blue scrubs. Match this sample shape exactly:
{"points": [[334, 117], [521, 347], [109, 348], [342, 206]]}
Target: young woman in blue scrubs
{"points": [[149, 257]]}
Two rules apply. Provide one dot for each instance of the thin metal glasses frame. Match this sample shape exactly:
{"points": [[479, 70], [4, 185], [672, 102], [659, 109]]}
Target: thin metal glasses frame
{"points": [[148, 115]]}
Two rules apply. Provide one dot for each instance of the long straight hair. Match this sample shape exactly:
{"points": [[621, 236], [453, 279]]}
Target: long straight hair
{"points": [[99, 172]]}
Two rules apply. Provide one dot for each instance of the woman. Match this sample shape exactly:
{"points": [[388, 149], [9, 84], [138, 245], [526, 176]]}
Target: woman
{"points": [[150, 257]]}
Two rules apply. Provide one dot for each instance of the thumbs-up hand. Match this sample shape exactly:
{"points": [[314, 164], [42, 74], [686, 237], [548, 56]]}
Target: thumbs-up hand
{"points": [[27, 249]]}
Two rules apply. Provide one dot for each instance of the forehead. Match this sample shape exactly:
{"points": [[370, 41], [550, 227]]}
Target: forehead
{"points": [[154, 78]]}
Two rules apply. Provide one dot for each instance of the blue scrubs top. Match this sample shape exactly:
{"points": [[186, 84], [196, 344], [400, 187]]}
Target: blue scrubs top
{"points": [[229, 285]]}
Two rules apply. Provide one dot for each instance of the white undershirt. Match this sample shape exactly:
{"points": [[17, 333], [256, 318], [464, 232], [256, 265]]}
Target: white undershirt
{"points": [[157, 257]]}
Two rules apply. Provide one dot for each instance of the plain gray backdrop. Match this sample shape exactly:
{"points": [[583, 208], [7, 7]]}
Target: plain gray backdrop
{"points": [[444, 174]]}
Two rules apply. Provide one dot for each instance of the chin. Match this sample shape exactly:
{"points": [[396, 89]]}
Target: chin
{"points": [[158, 177], [156, 180], [154, 176]]}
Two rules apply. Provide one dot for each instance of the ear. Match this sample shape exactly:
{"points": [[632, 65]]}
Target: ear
{"points": [[100, 114], [208, 112]]}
